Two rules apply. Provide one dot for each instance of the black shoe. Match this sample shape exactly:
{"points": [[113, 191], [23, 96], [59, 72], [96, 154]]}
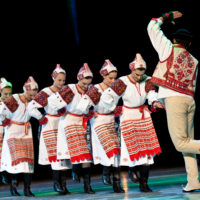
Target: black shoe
{"points": [[88, 189], [144, 175], [106, 180], [58, 188], [27, 192], [117, 187], [57, 185], [13, 185], [13, 191], [145, 188]]}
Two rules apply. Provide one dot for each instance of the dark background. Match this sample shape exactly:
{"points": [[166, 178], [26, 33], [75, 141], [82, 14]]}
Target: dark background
{"points": [[38, 35]]}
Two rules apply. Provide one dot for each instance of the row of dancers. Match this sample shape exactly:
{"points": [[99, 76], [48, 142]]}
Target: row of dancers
{"points": [[69, 108]]}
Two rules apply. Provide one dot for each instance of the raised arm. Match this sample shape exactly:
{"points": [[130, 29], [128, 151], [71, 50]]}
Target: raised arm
{"points": [[160, 42]]}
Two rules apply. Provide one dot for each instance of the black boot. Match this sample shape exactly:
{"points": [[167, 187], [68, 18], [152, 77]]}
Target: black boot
{"points": [[86, 180], [144, 175], [63, 182], [106, 175], [27, 185], [116, 180], [57, 182], [13, 185], [4, 178], [76, 173], [133, 174]]}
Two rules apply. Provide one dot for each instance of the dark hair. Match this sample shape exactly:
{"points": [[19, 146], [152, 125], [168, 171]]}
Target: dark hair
{"points": [[88, 77], [183, 42], [141, 69]]}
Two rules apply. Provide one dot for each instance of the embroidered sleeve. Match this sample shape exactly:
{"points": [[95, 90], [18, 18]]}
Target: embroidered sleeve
{"points": [[118, 87], [41, 98], [11, 104], [149, 86], [67, 94], [94, 95]]}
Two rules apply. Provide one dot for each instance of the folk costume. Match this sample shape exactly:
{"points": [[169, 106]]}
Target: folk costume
{"points": [[176, 74], [17, 150], [3, 84], [74, 124], [139, 143], [105, 143], [48, 145]]}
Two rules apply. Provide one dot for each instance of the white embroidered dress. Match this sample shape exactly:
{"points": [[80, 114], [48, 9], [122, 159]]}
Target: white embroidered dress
{"points": [[105, 144], [72, 122], [17, 150], [49, 145], [135, 122]]}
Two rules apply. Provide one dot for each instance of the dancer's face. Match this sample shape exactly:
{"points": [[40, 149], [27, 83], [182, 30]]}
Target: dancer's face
{"points": [[137, 75], [110, 78], [30, 94], [6, 93], [59, 81], [84, 83]]}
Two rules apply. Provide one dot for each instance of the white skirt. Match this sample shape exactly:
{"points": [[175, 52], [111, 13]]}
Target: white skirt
{"points": [[14, 131]]}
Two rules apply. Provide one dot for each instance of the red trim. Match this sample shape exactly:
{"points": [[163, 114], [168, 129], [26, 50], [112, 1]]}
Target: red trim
{"points": [[111, 153], [53, 159], [19, 160], [75, 115], [169, 85], [81, 157], [111, 113], [135, 84], [140, 154]]}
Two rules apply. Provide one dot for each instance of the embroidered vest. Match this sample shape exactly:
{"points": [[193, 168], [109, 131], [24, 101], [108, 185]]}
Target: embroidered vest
{"points": [[177, 72]]}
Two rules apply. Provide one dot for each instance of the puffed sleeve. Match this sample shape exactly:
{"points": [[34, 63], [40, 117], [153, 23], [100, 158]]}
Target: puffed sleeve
{"points": [[61, 99], [111, 95], [91, 98], [8, 107], [40, 101]]}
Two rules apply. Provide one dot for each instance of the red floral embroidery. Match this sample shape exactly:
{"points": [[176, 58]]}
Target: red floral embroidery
{"points": [[67, 94], [11, 104], [94, 95], [118, 87], [183, 67], [41, 98], [149, 86]]}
